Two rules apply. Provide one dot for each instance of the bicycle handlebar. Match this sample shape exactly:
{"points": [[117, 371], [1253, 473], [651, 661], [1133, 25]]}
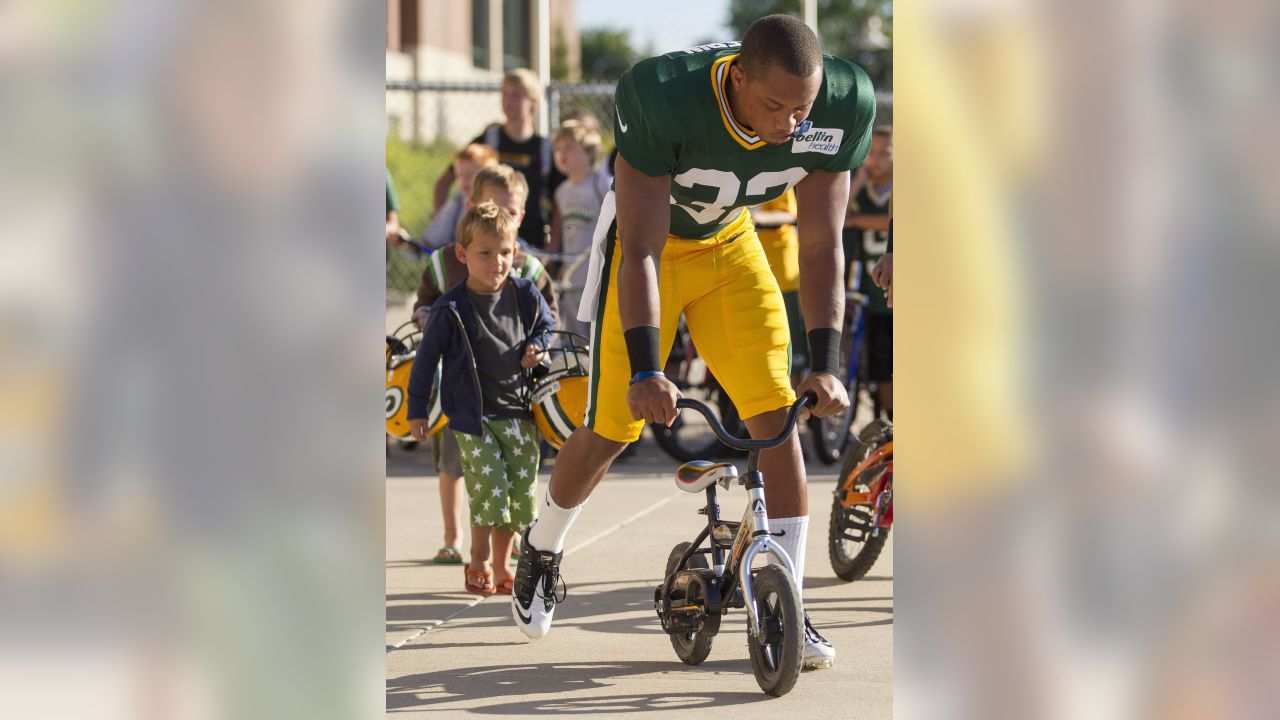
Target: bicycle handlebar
{"points": [[806, 400]]}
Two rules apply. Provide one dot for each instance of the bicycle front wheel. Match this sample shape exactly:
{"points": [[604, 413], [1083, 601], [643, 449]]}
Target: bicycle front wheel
{"points": [[777, 656]]}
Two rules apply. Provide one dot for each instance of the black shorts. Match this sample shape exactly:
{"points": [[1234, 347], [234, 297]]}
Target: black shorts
{"points": [[878, 338], [445, 453]]}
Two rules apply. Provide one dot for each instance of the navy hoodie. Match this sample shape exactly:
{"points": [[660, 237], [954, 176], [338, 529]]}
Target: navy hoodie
{"points": [[448, 334]]}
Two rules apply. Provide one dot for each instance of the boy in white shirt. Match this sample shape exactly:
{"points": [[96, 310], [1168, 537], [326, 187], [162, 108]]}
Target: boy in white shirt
{"points": [[578, 200]]}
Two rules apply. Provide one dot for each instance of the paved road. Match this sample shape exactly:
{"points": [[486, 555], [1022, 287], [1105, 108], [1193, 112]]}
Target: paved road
{"points": [[453, 654]]}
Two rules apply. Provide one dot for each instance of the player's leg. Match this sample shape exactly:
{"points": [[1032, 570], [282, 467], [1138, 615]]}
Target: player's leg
{"points": [[740, 327], [739, 324], [585, 458]]}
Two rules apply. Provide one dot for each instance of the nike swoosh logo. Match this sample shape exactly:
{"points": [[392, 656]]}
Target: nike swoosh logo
{"points": [[620, 123], [526, 619]]}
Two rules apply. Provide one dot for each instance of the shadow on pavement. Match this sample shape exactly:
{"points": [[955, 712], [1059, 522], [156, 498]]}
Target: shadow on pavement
{"points": [[500, 681], [632, 600], [577, 611], [822, 582]]}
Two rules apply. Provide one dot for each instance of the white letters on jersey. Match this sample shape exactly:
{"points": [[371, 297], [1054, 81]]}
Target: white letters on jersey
{"points": [[727, 186]]}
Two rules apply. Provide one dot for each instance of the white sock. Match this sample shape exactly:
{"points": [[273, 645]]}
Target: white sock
{"points": [[548, 532], [796, 531]]}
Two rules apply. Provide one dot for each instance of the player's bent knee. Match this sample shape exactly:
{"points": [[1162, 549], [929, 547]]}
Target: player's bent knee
{"points": [[593, 444]]}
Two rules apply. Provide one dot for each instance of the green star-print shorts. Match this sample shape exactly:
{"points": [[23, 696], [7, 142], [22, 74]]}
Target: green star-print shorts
{"points": [[501, 472]]}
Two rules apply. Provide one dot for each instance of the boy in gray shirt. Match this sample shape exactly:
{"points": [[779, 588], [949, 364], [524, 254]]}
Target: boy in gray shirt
{"points": [[482, 328]]}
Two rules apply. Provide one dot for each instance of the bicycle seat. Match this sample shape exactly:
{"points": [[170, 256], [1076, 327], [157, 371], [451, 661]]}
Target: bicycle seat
{"points": [[698, 475]]}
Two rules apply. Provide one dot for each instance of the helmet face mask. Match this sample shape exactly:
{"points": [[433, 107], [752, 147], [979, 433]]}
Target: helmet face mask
{"points": [[558, 387], [403, 342], [568, 354]]}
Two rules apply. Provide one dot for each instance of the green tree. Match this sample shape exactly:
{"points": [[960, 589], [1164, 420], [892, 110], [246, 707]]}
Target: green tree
{"points": [[560, 70], [606, 54], [858, 30]]}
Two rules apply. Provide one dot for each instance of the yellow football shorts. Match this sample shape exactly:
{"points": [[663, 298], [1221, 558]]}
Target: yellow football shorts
{"points": [[732, 305]]}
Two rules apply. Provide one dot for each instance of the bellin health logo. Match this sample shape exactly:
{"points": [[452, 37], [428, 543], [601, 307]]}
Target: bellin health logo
{"points": [[820, 140]]}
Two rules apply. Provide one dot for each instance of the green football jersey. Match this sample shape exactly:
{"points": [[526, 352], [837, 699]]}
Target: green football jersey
{"points": [[673, 118]]}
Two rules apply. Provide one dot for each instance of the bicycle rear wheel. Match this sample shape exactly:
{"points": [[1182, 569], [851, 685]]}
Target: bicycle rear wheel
{"points": [[691, 648]]}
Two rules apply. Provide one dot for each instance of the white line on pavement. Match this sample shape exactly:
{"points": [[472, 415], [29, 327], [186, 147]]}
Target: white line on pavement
{"points": [[437, 624], [609, 531]]}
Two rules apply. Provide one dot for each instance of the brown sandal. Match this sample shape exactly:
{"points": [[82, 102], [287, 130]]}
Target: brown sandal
{"points": [[508, 586], [479, 583]]}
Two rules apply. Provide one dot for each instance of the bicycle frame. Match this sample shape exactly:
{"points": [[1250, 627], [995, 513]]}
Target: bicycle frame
{"points": [[731, 560], [878, 465]]}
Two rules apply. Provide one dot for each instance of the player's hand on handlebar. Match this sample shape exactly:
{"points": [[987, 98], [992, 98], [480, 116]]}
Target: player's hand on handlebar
{"points": [[653, 400], [832, 397]]}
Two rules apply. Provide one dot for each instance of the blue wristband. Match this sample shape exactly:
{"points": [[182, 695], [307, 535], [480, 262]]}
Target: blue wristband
{"points": [[645, 375]]}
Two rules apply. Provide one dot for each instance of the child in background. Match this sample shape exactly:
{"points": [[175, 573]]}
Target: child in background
{"points": [[469, 161], [520, 146], [591, 123], [578, 200], [866, 238], [505, 187], [484, 330]]}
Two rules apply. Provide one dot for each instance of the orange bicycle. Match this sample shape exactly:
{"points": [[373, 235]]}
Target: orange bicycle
{"points": [[862, 510]]}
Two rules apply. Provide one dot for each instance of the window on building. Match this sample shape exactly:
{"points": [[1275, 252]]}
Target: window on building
{"points": [[408, 24], [480, 33], [516, 32]]}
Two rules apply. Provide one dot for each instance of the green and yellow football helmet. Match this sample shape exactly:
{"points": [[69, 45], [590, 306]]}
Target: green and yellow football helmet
{"points": [[401, 349], [558, 396]]}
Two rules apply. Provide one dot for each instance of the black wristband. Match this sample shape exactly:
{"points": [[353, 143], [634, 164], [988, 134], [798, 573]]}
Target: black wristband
{"points": [[824, 350], [642, 348]]}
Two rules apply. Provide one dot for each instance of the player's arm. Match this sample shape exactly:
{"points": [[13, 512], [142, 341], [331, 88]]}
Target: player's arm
{"points": [[644, 218], [821, 199]]}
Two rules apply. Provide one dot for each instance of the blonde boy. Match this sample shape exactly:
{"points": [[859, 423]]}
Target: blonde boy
{"points": [[485, 329]]}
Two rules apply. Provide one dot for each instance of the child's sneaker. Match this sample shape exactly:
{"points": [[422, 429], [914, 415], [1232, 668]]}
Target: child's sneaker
{"points": [[818, 653], [534, 599]]}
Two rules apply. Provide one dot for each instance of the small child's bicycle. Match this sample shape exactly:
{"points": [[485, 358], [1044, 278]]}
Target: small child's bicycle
{"points": [[862, 509], [697, 592]]}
